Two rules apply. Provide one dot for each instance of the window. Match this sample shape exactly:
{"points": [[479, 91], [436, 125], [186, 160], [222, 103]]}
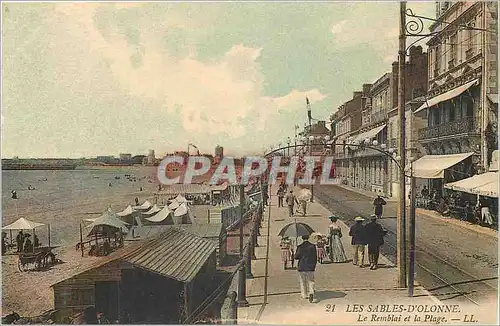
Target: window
{"points": [[453, 47]]}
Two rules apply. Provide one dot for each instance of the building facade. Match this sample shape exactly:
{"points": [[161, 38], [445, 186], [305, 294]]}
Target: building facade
{"points": [[347, 118], [462, 98]]}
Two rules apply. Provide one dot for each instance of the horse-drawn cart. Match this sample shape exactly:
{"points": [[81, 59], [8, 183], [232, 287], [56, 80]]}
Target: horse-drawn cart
{"points": [[40, 259]]}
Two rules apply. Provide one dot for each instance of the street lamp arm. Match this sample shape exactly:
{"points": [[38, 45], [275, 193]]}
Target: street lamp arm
{"points": [[338, 144]]}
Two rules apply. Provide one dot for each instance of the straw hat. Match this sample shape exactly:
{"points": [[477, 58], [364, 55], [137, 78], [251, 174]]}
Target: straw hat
{"points": [[359, 219]]}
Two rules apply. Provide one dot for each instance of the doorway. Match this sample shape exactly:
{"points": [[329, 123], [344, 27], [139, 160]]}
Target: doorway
{"points": [[107, 298]]}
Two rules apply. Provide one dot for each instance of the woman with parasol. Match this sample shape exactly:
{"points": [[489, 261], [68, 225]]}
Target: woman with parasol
{"points": [[336, 249], [286, 247]]}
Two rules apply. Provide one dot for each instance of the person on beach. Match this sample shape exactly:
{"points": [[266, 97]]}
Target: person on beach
{"points": [[4, 243], [28, 245], [36, 241], [136, 201], [337, 252], [14, 194], [375, 238], [290, 201], [307, 260], [20, 241], [378, 203], [358, 241]]}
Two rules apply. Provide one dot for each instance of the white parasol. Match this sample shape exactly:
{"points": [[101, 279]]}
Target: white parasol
{"points": [[23, 224], [304, 194]]}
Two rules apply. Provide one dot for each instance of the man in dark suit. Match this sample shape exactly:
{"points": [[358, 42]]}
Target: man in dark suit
{"points": [[375, 238], [307, 257], [358, 241]]}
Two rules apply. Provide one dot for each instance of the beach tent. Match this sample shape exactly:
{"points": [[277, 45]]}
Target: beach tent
{"points": [[162, 215], [107, 220], [181, 199], [127, 211], [155, 209], [174, 204], [181, 210], [145, 206], [183, 215], [24, 224]]}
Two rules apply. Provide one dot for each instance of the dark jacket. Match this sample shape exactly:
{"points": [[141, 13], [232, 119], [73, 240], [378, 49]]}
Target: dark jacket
{"points": [[378, 203], [374, 234], [307, 257], [358, 234]]}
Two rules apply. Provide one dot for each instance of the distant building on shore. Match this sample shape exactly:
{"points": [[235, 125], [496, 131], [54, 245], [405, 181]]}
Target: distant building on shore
{"points": [[151, 157], [125, 157]]}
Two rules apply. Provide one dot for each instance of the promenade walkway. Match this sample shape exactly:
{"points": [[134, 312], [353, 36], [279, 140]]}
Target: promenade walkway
{"points": [[338, 286]]}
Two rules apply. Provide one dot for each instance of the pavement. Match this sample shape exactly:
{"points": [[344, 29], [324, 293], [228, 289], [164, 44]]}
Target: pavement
{"points": [[433, 214], [342, 289]]}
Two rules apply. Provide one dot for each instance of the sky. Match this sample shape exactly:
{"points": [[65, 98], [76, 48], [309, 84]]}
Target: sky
{"points": [[87, 79]]}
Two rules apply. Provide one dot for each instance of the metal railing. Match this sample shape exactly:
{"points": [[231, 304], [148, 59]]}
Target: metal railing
{"points": [[235, 296], [456, 127]]}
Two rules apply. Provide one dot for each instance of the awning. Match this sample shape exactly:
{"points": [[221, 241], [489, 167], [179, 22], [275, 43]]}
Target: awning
{"points": [[447, 96], [485, 184], [22, 224], [493, 98], [358, 139], [494, 161], [433, 166]]}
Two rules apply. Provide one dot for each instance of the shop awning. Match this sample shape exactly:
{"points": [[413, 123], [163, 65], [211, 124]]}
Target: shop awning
{"points": [[494, 161], [447, 96], [485, 184], [493, 98], [433, 166], [358, 139]]}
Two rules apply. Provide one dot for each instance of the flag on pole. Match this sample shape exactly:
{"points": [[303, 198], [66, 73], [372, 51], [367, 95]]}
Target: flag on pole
{"points": [[307, 100]]}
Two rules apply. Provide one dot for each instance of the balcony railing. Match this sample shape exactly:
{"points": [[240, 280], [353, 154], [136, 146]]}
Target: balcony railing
{"points": [[469, 54], [466, 125]]}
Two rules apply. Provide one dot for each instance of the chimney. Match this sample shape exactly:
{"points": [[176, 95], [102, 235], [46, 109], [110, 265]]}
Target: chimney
{"points": [[366, 88], [356, 94]]}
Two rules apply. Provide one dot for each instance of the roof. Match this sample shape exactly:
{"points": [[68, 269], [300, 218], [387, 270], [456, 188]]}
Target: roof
{"points": [[22, 224], [161, 254], [211, 230], [127, 211]]}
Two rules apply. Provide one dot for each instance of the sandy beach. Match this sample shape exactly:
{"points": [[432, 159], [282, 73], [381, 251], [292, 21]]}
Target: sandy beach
{"points": [[62, 204]]}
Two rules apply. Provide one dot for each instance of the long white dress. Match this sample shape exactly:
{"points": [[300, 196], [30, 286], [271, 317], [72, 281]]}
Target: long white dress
{"points": [[337, 252]]}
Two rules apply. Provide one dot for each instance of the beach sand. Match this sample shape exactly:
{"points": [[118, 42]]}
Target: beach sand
{"points": [[29, 293]]}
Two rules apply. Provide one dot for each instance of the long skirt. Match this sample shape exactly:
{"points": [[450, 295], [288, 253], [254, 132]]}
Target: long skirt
{"points": [[337, 252]]}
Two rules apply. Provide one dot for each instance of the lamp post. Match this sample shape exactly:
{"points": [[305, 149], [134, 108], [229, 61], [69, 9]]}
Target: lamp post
{"points": [[401, 221]]}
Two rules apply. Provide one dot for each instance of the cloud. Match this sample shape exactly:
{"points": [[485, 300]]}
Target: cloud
{"points": [[222, 97]]}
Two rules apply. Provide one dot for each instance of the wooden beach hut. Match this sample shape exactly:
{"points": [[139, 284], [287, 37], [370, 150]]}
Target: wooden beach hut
{"points": [[146, 282]]}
